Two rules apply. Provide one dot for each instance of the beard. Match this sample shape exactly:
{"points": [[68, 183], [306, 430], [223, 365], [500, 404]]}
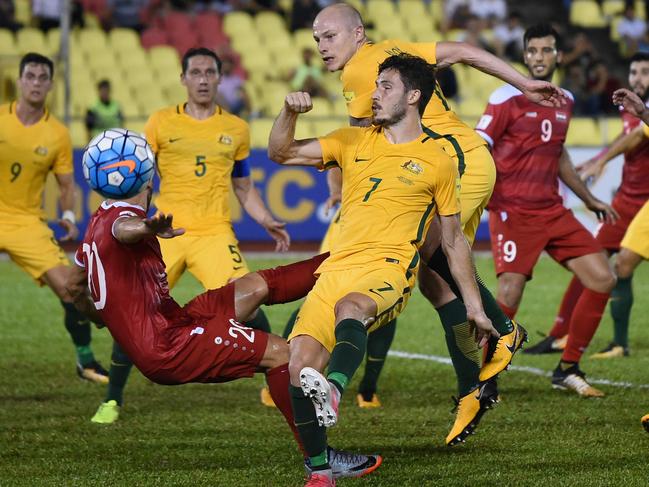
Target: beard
{"points": [[398, 114]]}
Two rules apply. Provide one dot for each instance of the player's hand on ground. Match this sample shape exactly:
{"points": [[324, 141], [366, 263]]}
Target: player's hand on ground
{"points": [[481, 326], [604, 212], [162, 226], [298, 102], [629, 101], [71, 230], [277, 230], [544, 93]]}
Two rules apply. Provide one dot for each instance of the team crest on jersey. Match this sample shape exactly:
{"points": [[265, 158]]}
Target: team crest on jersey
{"points": [[561, 116], [225, 139], [40, 150], [413, 167], [349, 95]]}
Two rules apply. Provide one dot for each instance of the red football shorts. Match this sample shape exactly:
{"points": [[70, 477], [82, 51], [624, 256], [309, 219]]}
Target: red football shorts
{"points": [[215, 348], [517, 240], [609, 235]]}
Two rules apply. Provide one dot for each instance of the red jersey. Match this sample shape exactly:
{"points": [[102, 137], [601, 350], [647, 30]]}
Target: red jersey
{"points": [[526, 141], [129, 287], [635, 172]]}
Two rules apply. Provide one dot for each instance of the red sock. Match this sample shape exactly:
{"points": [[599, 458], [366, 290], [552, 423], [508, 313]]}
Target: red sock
{"points": [[290, 282], [567, 308], [585, 320], [510, 312], [278, 380]]}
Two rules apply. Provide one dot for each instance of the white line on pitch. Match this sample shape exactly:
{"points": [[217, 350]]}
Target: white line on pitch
{"points": [[516, 368]]}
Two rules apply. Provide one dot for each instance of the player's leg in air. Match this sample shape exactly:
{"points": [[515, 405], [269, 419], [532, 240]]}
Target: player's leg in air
{"points": [[438, 286]]}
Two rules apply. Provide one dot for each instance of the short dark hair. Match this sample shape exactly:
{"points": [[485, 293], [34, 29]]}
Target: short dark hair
{"points": [[103, 83], [542, 30], [415, 74], [200, 51], [35, 58], [638, 57]]}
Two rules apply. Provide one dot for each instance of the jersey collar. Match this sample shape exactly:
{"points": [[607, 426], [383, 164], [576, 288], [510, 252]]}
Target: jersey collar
{"points": [[105, 205]]}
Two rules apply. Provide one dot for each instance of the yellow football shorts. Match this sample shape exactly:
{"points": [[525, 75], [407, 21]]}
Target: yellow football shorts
{"points": [[477, 184], [636, 237], [213, 259], [31, 244], [332, 233], [386, 283]]}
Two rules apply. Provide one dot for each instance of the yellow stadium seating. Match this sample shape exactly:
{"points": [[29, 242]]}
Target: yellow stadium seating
{"points": [[269, 24], [285, 62], [586, 13], [422, 25], [164, 57], [248, 44], [23, 11], [139, 77], [150, 99], [30, 39], [132, 59], [471, 106], [175, 94], [392, 28], [78, 134], [259, 131], [326, 126], [304, 130], [282, 42], [91, 21], [93, 42], [131, 109], [321, 109], [612, 8], [339, 106], [7, 42], [410, 9], [304, 38], [135, 124], [584, 132], [377, 10], [611, 128], [358, 5], [641, 9], [235, 23], [53, 39], [124, 40]]}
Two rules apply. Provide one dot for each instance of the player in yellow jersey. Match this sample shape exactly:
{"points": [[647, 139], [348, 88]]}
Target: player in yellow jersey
{"points": [[201, 153], [395, 181], [34, 143], [343, 45]]}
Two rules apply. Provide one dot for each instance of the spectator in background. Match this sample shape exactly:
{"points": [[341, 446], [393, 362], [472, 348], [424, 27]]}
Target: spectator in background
{"points": [[303, 14], [48, 13], [474, 34], [126, 13], [105, 113], [490, 12], [456, 15], [231, 92], [8, 16], [631, 30], [308, 77], [508, 38]]}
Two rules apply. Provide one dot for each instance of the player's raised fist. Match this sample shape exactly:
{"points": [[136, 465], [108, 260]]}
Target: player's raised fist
{"points": [[298, 102], [630, 101]]}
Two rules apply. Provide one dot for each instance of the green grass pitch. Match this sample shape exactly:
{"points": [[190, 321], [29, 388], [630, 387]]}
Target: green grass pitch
{"points": [[220, 435]]}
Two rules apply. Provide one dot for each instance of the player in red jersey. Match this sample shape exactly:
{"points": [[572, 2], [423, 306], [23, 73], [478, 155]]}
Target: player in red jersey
{"points": [[632, 194], [120, 281], [527, 215]]}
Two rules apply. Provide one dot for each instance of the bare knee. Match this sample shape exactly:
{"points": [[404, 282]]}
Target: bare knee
{"points": [[250, 292], [277, 352], [510, 289], [305, 351], [355, 306], [601, 280]]}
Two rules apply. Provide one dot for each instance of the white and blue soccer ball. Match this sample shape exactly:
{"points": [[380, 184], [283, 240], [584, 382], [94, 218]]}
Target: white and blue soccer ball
{"points": [[118, 163]]}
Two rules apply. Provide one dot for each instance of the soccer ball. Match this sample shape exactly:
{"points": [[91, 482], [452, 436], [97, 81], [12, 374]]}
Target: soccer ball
{"points": [[118, 163]]}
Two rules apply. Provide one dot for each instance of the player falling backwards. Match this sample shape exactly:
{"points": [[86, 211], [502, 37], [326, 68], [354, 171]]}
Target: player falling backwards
{"points": [[34, 143], [527, 215], [395, 181], [629, 198], [120, 280], [201, 152], [634, 247], [343, 45]]}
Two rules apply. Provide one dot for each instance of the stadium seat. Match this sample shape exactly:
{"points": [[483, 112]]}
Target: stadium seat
{"points": [[164, 57], [184, 42], [139, 78], [285, 62], [53, 39], [92, 41], [78, 134], [23, 12], [238, 22], [214, 39], [30, 39], [269, 24], [611, 8], [175, 93], [326, 126], [378, 10], [7, 42], [321, 109], [409, 9], [584, 132], [641, 9], [259, 131], [134, 58], [421, 25], [586, 13], [135, 124], [153, 37], [339, 106], [176, 22], [392, 28], [208, 22], [304, 38], [124, 40]]}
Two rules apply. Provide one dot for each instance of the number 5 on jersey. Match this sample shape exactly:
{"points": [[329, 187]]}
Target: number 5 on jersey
{"points": [[201, 166]]}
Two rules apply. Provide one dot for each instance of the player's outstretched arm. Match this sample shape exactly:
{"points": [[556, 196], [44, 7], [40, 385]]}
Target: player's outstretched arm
{"points": [[568, 174], [632, 103], [282, 146], [458, 253], [595, 167], [251, 201], [132, 229], [77, 287], [66, 202], [538, 91]]}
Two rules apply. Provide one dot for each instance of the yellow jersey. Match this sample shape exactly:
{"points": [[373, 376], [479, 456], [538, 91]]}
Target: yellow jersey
{"points": [[359, 76], [390, 195], [27, 155], [195, 159]]}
